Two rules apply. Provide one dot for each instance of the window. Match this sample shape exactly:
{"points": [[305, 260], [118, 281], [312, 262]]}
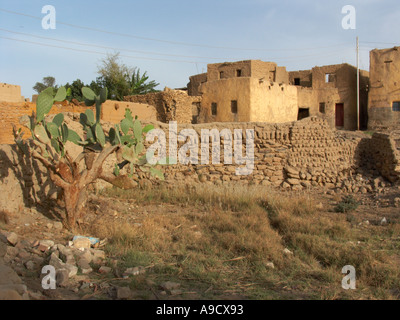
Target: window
{"points": [[214, 108], [221, 74], [330, 77], [322, 107], [296, 81], [234, 106], [239, 73], [396, 106]]}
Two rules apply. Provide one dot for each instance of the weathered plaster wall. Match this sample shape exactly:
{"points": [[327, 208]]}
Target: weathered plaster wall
{"points": [[11, 112], [272, 102], [268, 71], [384, 88], [304, 77], [342, 88], [194, 84], [223, 92], [171, 105], [10, 93], [257, 100], [114, 111]]}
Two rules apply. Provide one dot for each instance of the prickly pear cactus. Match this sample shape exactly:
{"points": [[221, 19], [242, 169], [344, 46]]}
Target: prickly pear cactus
{"points": [[52, 136]]}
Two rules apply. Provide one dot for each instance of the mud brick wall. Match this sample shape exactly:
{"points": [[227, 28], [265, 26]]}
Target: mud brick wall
{"points": [[171, 105], [384, 150], [10, 114], [10, 93]]}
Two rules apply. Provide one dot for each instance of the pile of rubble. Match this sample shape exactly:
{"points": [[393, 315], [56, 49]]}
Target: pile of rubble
{"points": [[22, 257]]}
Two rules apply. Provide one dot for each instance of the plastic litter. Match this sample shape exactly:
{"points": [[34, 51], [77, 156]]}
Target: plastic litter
{"points": [[93, 241]]}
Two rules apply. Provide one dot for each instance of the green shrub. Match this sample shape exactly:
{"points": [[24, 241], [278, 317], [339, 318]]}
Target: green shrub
{"points": [[347, 204]]}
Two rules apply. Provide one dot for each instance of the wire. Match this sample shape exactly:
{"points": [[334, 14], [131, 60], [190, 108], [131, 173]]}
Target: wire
{"points": [[385, 43], [105, 47], [172, 42], [280, 59], [97, 52]]}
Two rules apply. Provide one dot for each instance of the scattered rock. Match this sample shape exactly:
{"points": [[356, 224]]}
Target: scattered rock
{"points": [[12, 238], [287, 251], [383, 221], [270, 265], [58, 225], [364, 223], [24, 255], [85, 285], [175, 292], [9, 295], [62, 277], [12, 251], [98, 255], [169, 285], [84, 265], [135, 271], [21, 289], [30, 265], [45, 245], [124, 293], [8, 276], [105, 270]]}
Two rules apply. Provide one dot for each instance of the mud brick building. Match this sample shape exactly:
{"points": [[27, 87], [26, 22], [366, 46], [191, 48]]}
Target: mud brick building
{"points": [[245, 91], [254, 90], [331, 93], [10, 93], [384, 91]]}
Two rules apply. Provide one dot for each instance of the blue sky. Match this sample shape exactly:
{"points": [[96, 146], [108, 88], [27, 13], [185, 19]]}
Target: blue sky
{"points": [[175, 39]]}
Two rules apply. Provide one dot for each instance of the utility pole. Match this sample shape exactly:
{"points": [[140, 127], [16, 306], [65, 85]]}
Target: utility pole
{"points": [[358, 85]]}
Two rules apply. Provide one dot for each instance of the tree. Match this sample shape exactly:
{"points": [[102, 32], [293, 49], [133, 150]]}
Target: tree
{"points": [[48, 82], [76, 90], [138, 85], [122, 80], [73, 176]]}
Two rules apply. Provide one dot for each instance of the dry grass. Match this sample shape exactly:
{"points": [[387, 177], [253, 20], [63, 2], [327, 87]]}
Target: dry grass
{"points": [[225, 237]]}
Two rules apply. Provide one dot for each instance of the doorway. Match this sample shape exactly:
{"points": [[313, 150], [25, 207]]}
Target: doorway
{"points": [[303, 113], [339, 115]]}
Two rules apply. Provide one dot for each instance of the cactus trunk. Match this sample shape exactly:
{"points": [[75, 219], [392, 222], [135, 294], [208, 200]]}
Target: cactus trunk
{"points": [[74, 200]]}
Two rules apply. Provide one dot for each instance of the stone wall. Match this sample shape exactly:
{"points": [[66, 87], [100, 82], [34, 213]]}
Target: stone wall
{"points": [[294, 155]]}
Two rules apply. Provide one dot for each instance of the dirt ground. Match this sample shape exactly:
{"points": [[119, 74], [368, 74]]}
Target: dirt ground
{"points": [[36, 223]]}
